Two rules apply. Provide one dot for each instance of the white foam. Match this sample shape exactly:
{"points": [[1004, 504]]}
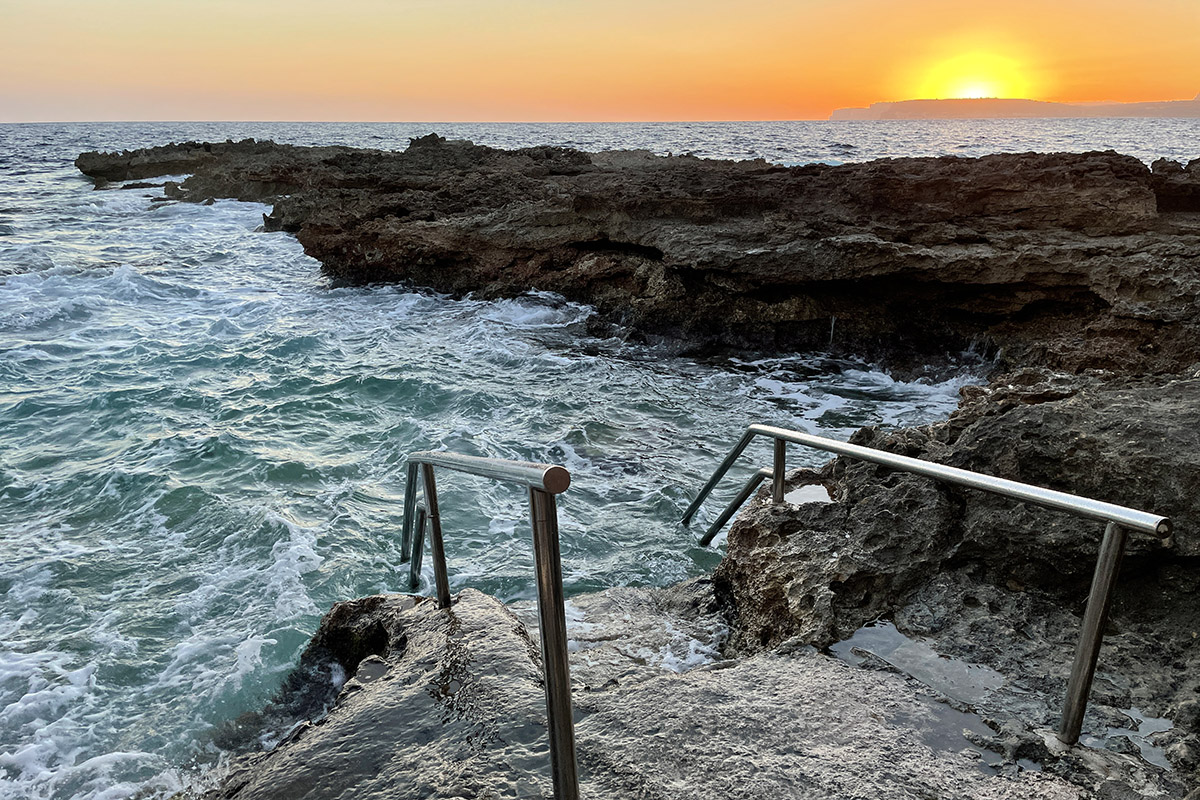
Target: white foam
{"points": [[291, 560], [533, 311], [249, 657], [686, 652], [576, 619], [337, 675]]}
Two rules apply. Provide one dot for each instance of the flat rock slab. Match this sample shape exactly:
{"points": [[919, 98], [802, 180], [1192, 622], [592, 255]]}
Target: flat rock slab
{"points": [[801, 725], [451, 706]]}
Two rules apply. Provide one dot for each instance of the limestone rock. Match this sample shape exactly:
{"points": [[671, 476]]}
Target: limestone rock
{"points": [[1177, 188], [446, 704], [793, 725], [821, 571]]}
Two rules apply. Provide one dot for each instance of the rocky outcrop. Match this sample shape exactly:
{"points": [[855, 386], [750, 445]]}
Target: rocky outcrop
{"points": [[822, 570], [1072, 261], [1176, 187], [449, 704], [993, 581], [191, 158]]}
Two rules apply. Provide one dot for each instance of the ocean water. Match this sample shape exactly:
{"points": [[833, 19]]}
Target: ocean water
{"points": [[202, 442]]}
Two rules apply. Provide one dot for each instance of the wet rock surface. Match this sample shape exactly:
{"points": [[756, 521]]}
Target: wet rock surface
{"points": [[622, 635], [787, 725], [1148, 670], [1073, 261], [452, 707]]}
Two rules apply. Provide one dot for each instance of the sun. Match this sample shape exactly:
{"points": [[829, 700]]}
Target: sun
{"points": [[975, 75], [974, 91]]}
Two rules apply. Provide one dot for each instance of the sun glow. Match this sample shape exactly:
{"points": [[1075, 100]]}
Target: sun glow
{"points": [[975, 75], [530, 60]]}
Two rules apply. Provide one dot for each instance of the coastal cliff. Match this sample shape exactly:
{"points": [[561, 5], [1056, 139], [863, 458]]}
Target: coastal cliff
{"points": [[1073, 277]]}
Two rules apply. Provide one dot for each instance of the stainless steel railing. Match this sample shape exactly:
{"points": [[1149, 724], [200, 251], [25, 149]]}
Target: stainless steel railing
{"points": [[543, 481], [1119, 518]]}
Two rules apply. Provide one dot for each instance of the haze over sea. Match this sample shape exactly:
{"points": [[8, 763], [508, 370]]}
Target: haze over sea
{"points": [[202, 441]]}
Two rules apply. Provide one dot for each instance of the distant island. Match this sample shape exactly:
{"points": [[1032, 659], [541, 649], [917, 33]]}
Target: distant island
{"points": [[1015, 108]]}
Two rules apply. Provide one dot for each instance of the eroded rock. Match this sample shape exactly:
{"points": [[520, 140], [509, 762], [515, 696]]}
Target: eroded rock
{"points": [[1128, 442], [820, 571], [1176, 187]]}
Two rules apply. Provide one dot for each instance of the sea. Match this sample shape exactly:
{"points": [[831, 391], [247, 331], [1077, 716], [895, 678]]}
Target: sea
{"points": [[203, 439]]}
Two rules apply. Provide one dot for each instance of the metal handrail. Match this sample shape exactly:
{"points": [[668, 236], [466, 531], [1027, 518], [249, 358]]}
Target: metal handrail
{"points": [[543, 481], [1120, 519]]}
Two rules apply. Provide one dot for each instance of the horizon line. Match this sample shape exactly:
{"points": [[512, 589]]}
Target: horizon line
{"points": [[410, 122], [590, 121]]}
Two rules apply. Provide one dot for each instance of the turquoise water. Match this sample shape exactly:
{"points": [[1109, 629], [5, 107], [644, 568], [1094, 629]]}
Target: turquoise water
{"points": [[202, 445]]}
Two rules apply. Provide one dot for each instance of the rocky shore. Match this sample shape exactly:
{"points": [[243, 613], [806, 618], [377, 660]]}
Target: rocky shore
{"points": [[1074, 277], [1067, 261]]}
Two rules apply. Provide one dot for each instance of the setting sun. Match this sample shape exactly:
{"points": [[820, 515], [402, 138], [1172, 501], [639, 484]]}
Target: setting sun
{"points": [[975, 75], [975, 91]]}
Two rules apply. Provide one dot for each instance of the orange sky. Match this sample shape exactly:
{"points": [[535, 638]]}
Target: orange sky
{"points": [[476, 60]]}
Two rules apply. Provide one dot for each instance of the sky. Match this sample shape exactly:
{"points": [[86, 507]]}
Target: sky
{"points": [[571, 60]]}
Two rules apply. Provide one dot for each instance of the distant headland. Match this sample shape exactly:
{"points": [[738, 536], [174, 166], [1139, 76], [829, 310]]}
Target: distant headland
{"points": [[1015, 108]]}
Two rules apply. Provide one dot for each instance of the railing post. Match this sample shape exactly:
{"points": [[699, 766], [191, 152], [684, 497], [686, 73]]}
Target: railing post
{"points": [[552, 617], [731, 509], [410, 499], [747, 437], [780, 469], [435, 537], [418, 547], [1094, 619]]}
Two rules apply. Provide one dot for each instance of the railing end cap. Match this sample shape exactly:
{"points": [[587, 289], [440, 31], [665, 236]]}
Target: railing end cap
{"points": [[556, 479]]}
